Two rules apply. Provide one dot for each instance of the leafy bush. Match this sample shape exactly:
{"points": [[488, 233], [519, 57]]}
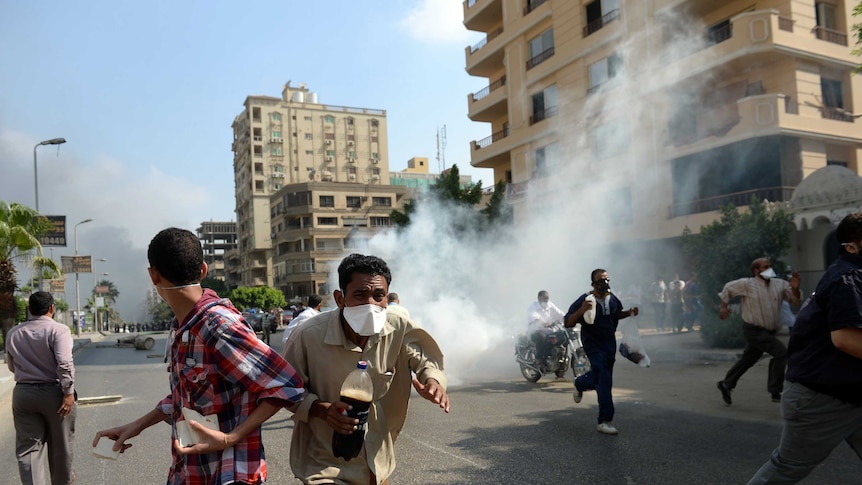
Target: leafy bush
{"points": [[725, 334]]}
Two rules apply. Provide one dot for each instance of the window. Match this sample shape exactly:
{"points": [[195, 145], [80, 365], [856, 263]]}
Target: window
{"points": [[330, 153], [382, 201], [309, 152], [600, 13], [349, 121], [375, 171], [611, 139], [255, 114], [827, 15], [258, 168], [719, 32], [380, 222], [276, 186], [547, 159], [324, 243], [541, 48], [375, 156], [327, 221], [832, 93], [329, 119], [308, 136], [278, 168], [307, 118], [354, 202], [351, 170], [835, 162], [258, 185], [374, 123], [605, 70], [544, 104], [351, 154], [327, 201], [276, 134], [275, 116], [276, 151]]}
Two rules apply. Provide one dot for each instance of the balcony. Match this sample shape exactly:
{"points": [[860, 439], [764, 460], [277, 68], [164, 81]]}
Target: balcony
{"points": [[600, 22], [532, 5], [542, 57], [489, 103], [543, 115], [481, 15], [492, 151], [739, 199], [488, 140], [485, 58], [755, 37]]}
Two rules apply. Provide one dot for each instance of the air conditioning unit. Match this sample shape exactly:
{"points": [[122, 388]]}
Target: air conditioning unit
{"points": [[350, 143], [328, 159], [351, 177], [278, 175], [375, 177], [276, 140], [351, 159], [375, 160], [329, 142]]}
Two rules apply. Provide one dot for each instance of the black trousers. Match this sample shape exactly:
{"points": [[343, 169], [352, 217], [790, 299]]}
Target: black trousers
{"points": [[759, 340], [43, 435]]}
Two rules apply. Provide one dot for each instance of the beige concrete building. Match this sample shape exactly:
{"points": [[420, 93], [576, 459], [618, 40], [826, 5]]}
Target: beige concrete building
{"points": [[291, 140], [686, 105], [315, 223], [217, 238]]}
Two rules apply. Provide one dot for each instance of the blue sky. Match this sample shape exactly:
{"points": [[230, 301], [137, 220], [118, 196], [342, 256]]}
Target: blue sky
{"points": [[145, 93]]}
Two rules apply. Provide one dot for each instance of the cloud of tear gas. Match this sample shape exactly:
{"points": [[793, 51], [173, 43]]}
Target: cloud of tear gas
{"points": [[128, 207], [471, 292]]}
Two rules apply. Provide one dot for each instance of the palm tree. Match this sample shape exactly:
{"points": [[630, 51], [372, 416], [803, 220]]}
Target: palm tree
{"points": [[20, 228]]}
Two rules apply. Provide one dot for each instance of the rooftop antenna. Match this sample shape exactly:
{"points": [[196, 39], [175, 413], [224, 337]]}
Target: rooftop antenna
{"points": [[441, 149]]}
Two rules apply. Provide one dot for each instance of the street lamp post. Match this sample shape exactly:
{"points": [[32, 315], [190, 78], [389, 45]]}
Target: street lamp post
{"points": [[52, 141], [96, 293], [77, 284]]}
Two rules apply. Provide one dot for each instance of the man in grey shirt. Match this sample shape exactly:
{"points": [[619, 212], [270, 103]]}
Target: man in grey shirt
{"points": [[39, 353]]}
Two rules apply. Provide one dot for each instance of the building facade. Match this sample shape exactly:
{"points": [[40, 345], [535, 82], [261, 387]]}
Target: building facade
{"points": [[217, 238], [291, 140], [315, 223], [680, 106]]}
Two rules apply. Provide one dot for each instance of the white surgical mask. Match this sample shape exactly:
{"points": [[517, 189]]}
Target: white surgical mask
{"points": [[365, 319], [178, 287], [544, 305], [769, 273]]}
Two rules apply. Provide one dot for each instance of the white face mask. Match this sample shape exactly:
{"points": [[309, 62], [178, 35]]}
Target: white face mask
{"points": [[769, 273], [178, 287], [544, 305], [365, 319]]}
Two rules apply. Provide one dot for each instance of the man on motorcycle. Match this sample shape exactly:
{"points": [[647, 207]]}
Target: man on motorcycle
{"points": [[540, 316]]}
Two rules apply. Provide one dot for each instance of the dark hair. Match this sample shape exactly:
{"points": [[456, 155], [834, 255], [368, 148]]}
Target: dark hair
{"points": [[40, 303], [850, 228], [392, 297], [595, 272], [541, 293], [314, 300], [359, 263], [177, 255]]}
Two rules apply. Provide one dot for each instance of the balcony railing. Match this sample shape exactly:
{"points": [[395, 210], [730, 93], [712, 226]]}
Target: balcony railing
{"points": [[785, 23], [837, 114], [541, 115], [491, 87], [544, 56], [488, 140], [739, 199], [532, 5], [830, 35], [600, 22], [488, 38]]}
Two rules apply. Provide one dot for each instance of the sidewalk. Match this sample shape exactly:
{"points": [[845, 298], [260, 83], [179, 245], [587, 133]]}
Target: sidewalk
{"points": [[7, 380]]}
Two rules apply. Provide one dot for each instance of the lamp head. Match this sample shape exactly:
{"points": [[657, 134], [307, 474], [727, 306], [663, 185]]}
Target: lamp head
{"points": [[54, 141]]}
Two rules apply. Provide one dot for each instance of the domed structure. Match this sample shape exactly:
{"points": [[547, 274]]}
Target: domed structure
{"points": [[831, 185]]}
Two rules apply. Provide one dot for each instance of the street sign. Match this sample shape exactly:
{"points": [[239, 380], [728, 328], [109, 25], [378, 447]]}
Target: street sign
{"points": [[57, 286], [56, 236], [77, 264], [100, 301]]}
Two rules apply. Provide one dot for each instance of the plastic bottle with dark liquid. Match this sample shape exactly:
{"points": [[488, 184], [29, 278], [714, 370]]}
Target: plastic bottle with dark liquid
{"points": [[357, 391]]}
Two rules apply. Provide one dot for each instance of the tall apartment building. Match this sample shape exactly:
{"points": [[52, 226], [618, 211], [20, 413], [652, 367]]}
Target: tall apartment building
{"points": [[687, 104], [217, 238], [290, 140]]}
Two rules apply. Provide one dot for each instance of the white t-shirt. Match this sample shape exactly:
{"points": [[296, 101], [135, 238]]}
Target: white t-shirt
{"points": [[542, 317], [303, 316]]}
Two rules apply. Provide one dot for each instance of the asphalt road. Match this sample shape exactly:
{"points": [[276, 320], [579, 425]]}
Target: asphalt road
{"points": [[674, 429]]}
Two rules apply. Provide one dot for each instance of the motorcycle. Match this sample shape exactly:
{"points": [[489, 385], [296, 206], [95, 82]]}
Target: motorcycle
{"points": [[565, 353]]}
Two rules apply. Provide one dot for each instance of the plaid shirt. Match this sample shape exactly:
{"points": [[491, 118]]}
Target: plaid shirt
{"points": [[217, 365], [761, 302]]}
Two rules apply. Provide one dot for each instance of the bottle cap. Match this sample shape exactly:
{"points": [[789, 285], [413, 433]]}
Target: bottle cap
{"points": [[362, 365]]}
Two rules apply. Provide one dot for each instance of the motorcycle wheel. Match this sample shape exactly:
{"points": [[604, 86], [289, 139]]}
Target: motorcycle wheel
{"points": [[561, 372], [530, 373]]}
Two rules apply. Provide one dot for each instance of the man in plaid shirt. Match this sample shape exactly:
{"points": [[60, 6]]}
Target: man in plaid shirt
{"points": [[218, 368]]}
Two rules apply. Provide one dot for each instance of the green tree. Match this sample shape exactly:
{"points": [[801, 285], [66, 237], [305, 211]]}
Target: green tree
{"points": [[723, 251], [263, 297], [448, 190], [20, 228], [158, 310], [857, 34], [215, 284]]}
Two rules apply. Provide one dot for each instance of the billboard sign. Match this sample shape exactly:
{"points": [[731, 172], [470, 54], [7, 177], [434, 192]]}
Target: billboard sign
{"points": [[77, 264], [56, 236], [57, 286]]}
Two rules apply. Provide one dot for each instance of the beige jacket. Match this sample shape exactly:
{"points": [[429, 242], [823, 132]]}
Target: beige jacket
{"points": [[323, 356]]}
